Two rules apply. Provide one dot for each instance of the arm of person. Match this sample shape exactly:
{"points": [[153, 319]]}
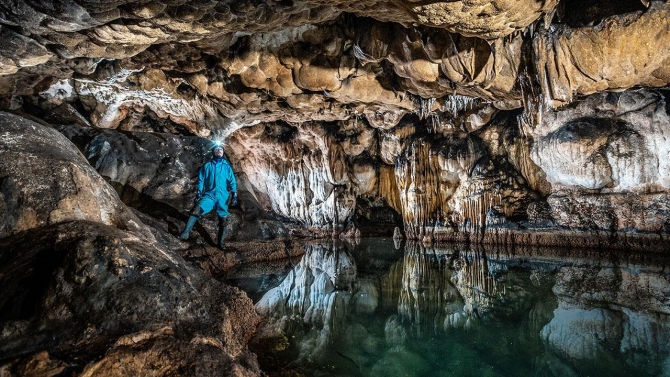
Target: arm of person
{"points": [[232, 180], [232, 185]]}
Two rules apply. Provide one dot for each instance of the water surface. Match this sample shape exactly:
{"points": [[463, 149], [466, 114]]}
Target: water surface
{"points": [[384, 309]]}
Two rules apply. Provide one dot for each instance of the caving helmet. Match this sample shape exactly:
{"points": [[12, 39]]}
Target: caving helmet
{"points": [[217, 145]]}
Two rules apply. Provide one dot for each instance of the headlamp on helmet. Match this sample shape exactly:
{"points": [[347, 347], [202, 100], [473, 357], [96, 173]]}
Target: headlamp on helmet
{"points": [[218, 144]]}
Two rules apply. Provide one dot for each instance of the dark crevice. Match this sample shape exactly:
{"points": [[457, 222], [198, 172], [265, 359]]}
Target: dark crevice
{"points": [[580, 13], [35, 270]]}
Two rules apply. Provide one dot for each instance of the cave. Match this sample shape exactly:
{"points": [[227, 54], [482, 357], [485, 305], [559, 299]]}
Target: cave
{"points": [[406, 173]]}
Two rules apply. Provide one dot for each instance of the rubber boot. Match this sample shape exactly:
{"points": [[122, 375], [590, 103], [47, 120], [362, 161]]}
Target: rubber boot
{"points": [[187, 230], [222, 233]]}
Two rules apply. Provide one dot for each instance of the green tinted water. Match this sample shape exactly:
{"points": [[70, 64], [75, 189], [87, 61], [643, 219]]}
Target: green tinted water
{"points": [[377, 309]]}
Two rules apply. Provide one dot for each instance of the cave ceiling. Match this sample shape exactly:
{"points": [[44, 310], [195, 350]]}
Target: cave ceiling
{"points": [[208, 67]]}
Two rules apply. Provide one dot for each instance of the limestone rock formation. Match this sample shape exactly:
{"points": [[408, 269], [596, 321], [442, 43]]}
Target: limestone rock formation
{"points": [[156, 173], [436, 116], [509, 122], [88, 288], [77, 289], [614, 144], [616, 54], [45, 182], [159, 165], [301, 173]]}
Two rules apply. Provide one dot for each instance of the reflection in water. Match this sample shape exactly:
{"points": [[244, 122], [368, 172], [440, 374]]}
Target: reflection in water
{"points": [[370, 310]]}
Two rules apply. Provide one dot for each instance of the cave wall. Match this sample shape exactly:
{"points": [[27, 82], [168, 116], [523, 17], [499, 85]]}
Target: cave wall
{"points": [[510, 122], [460, 120], [607, 161]]}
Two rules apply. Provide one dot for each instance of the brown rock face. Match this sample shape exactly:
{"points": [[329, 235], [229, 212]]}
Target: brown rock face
{"points": [[72, 289], [486, 19], [45, 181], [617, 54], [84, 279], [203, 66]]}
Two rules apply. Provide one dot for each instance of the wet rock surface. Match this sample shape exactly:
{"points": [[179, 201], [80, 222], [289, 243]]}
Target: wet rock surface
{"points": [[45, 181], [79, 288]]}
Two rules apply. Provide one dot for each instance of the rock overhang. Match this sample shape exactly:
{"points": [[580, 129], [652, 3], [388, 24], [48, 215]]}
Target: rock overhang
{"points": [[371, 92]]}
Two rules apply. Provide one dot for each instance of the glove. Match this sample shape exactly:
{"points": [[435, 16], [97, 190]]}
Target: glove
{"points": [[234, 203], [198, 196]]}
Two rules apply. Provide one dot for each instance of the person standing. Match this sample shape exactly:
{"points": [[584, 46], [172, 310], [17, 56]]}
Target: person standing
{"points": [[216, 184]]}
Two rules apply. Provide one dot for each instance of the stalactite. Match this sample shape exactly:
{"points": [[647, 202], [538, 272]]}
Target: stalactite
{"points": [[420, 192], [456, 104], [362, 56], [388, 188], [425, 106], [305, 179], [473, 208]]}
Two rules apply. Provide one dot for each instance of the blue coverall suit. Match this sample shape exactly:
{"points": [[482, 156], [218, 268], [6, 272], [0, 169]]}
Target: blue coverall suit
{"points": [[216, 181]]}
